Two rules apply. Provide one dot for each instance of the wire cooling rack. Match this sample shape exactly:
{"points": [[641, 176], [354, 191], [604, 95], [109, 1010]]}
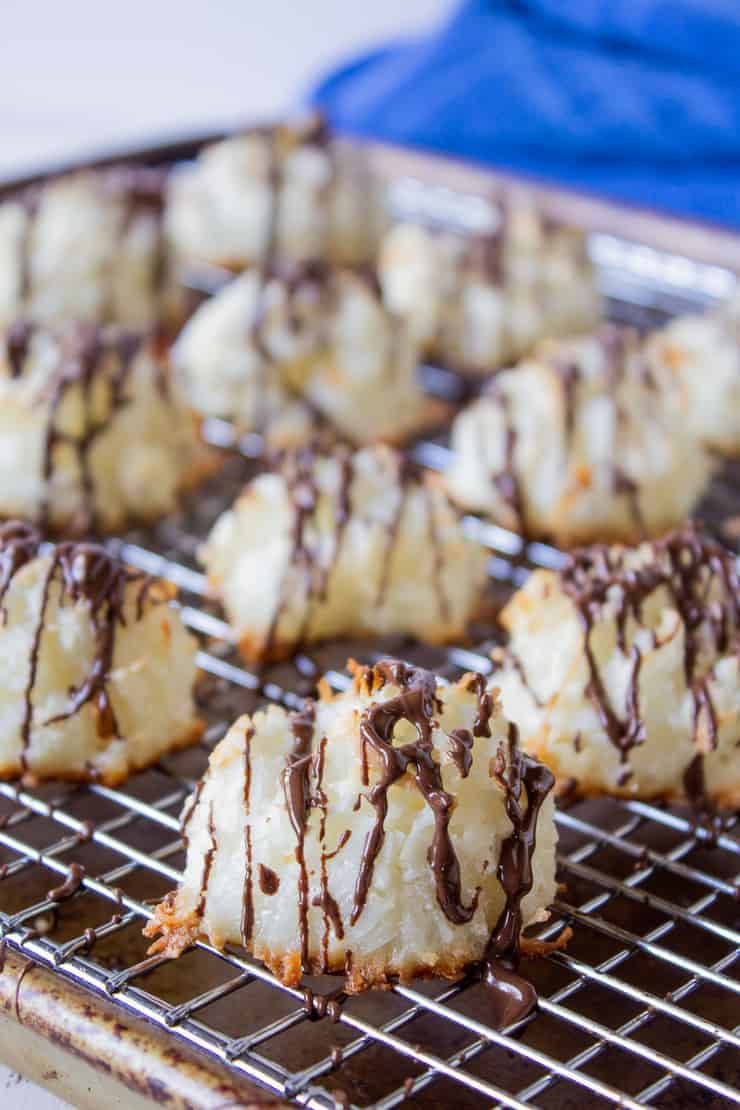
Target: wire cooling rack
{"points": [[642, 1009]]}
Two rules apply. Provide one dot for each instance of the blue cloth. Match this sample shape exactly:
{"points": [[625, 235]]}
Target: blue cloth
{"points": [[639, 99]]}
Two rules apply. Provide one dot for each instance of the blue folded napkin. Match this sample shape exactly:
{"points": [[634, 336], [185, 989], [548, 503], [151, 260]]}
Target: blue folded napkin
{"points": [[639, 99]]}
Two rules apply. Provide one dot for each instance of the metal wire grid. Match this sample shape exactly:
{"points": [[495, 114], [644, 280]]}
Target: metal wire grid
{"points": [[642, 1009], [632, 874]]}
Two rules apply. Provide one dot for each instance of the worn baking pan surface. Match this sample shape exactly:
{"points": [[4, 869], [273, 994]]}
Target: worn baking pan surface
{"points": [[642, 1008]]}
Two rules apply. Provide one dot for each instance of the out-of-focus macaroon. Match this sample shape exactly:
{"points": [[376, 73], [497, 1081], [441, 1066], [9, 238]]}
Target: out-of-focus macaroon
{"points": [[342, 544], [578, 444], [98, 668]]}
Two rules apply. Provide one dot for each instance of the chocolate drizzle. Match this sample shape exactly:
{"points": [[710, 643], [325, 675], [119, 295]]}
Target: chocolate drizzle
{"points": [[17, 343], [269, 882], [305, 285], [299, 470], [189, 811], [570, 375], [514, 997], [298, 801], [303, 493], [514, 869], [19, 544], [518, 666], [135, 189], [84, 355], [247, 918], [70, 886], [208, 859], [484, 256], [88, 381], [329, 907], [416, 703], [506, 482], [688, 565], [87, 575]]}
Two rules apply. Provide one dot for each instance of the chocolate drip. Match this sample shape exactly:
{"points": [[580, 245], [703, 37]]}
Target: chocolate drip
{"points": [[317, 1006], [298, 800], [518, 666], [683, 564], [515, 873], [269, 882], [84, 354], [461, 745], [506, 482], [416, 703], [314, 132], [247, 918], [33, 663], [29, 965], [393, 529], [207, 863], [627, 486], [332, 917], [87, 573], [484, 257], [485, 705], [342, 510], [462, 739], [19, 544], [615, 343], [512, 997], [70, 886], [309, 282], [189, 812], [435, 543], [17, 341], [696, 794], [570, 375], [298, 471]]}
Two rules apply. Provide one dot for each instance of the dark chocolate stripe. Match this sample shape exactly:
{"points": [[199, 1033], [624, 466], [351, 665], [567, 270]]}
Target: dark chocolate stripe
{"points": [[247, 916]]}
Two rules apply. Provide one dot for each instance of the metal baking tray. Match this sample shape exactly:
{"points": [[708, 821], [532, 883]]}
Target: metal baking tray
{"points": [[642, 1009]]}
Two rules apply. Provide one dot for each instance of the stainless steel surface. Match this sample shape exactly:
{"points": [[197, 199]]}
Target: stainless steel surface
{"points": [[642, 1009]]}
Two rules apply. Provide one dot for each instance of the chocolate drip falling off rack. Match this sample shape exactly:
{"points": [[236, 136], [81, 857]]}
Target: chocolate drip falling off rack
{"points": [[643, 1009]]}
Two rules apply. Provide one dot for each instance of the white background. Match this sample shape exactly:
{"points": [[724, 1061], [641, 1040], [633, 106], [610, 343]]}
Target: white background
{"points": [[75, 74], [78, 75]]}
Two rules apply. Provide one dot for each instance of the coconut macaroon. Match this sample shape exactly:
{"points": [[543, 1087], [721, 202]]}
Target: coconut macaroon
{"points": [[577, 444], [392, 831], [478, 301], [623, 669], [85, 246], [342, 544], [284, 191], [98, 669], [280, 335], [696, 360], [242, 352], [92, 433]]}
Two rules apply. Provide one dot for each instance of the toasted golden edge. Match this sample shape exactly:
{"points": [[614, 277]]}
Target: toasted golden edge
{"points": [[566, 787], [176, 932], [29, 779], [433, 414], [254, 650], [207, 462]]}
